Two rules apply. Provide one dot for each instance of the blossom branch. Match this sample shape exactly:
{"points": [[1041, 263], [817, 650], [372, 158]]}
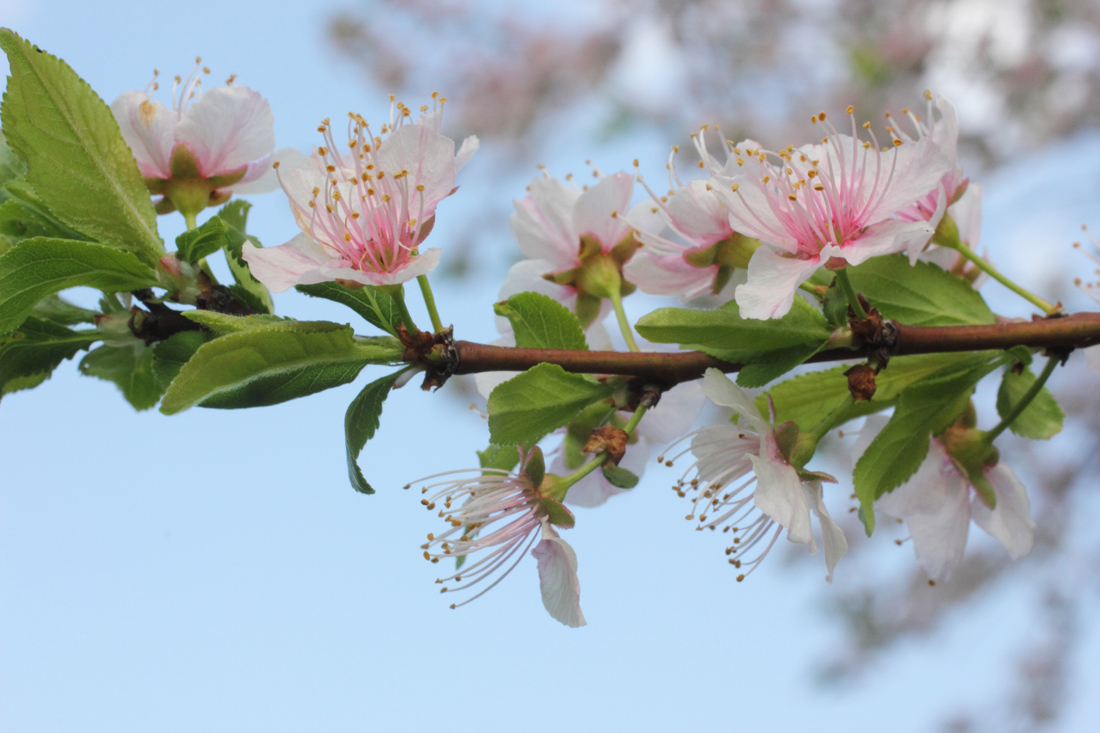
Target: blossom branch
{"points": [[1078, 330]]}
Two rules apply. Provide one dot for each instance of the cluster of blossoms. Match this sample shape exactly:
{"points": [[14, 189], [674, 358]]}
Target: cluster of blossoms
{"points": [[753, 230]]}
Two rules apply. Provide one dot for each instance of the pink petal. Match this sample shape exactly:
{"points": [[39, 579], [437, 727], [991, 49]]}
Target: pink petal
{"points": [[428, 157], [543, 222], [772, 282], [557, 566], [226, 128], [150, 133], [1010, 522], [658, 274], [299, 261], [600, 209]]}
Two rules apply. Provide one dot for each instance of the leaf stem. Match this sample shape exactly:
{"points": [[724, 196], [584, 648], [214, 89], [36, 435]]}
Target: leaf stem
{"points": [[1020, 406], [429, 301], [990, 270], [624, 324], [850, 294]]}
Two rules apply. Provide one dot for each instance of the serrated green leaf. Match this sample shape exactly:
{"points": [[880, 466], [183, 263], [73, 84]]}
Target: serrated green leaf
{"points": [[75, 156], [235, 214], [205, 240], [504, 457], [724, 334], [268, 366], [18, 221], [539, 322], [130, 368], [919, 295], [225, 323], [541, 399], [11, 167], [896, 453], [751, 376], [361, 421], [1041, 419], [374, 305], [36, 268], [170, 355], [29, 355], [808, 399], [618, 476]]}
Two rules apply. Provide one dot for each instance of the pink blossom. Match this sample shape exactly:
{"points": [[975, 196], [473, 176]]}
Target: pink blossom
{"points": [[943, 130], [937, 505], [754, 509], [562, 229], [205, 147], [830, 204], [365, 211], [497, 515]]}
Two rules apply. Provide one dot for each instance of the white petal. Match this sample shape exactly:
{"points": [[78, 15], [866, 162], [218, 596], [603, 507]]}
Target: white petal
{"points": [[668, 275], [884, 238], [466, 151], [967, 213], [835, 542], [773, 280], [259, 178], [722, 453], [1010, 522], [779, 494], [427, 156], [917, 171], [424, 263], [543, 222], [698, 215], [927, 489], [1093, 354], [557, 565], [722, 391], [750, 211], [939, 537], [226, 128], [598, 209], [149, 131]]}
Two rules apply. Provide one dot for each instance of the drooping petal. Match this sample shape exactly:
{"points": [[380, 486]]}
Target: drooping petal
{"points": [[779, 494], [227, 128], [1010, 522], [939, 536], [557, 566], [148, 127], [836, 544], [466, 151], [773, 280], [722, 391]]}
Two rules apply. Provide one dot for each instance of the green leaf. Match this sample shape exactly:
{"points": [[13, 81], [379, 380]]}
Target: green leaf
{"points": [[57, 309], [29, 355], [919, 295], [540, 322], [130, 368], [204, 241], [235, 214], [757, 375], [808, 399], [11, 167], [724, 334], [18, 221], [225, 323], [270, 365], [375, 305], [504, 457], [1041, 419], [170, 355], [618, 476], [35, 268], [361, 422], [76, 158], [541, 399], [924, 409]]}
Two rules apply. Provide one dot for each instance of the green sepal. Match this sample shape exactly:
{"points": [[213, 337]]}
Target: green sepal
{"points": [[618, 476], [558, 514], [534, 468], [504, 457]]}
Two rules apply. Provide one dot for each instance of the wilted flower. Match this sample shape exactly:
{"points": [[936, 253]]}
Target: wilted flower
{"points": [[754, 509], [496, 513], [364, 212], [831, 204], [205, 148]]}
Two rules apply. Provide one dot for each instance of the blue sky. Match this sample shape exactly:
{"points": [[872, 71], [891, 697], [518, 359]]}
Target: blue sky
{"points": [[215, 571]]}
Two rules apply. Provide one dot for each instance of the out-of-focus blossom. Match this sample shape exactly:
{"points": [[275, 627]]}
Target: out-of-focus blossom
{"points": [[830, 204], [757, 508], [364, 211], [204, 148], [576, 241], [495, 514], [937, 505]]}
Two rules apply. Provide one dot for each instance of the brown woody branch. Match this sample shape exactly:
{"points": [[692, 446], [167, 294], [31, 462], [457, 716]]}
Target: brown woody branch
{"points": [[1067, 333]]}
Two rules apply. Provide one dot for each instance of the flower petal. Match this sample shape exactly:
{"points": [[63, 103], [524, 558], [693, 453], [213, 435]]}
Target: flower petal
{"points": [[722, 391], [779, 494], [1010, 522], [557, 565], [939, 537], [836, 544], [149, 129], [600, 209], [773, 280], [226, 128], [299, 261]]}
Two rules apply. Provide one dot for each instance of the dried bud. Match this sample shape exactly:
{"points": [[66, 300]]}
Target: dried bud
{"points": [[608, 439]]}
